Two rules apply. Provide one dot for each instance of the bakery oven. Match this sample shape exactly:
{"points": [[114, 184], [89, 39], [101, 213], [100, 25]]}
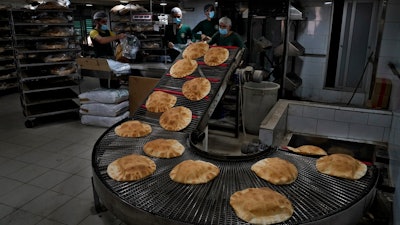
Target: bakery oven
{"points": [[316, 198]]}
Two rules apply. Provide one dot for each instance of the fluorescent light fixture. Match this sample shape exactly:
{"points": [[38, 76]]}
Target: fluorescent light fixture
{"points": [[89, 5], [328, 3], [122, 1], [163, 3]]}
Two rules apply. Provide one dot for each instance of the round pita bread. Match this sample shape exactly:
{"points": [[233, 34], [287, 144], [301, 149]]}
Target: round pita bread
{"points": [[261, 206], [341, 165], [194, 172], [196, 88], [159, 101], [131, 167], [216, 56], [308, 150], [195, 50], [133, 128], [164, 148], [183, 67], [275, 170], [176, 118]]}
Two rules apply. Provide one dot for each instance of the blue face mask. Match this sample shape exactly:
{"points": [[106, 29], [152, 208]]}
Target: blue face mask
{"points": [[104, 27], [176, 20], [223, 31], [211, 14]]}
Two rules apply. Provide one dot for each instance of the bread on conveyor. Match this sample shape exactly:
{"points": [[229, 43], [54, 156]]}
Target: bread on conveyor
{"points": [[261, 206], [195, 50], [164, 148], [215, 56], [183, 67], [133, 128], [308, 150], [159, 101], [341, 165], [275, 170], [176, 118], [196, 88], [194, 172], [131, 168]]}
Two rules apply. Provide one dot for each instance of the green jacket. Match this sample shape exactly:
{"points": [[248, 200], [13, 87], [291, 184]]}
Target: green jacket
{"points": [[233, 39], [205, 27]]}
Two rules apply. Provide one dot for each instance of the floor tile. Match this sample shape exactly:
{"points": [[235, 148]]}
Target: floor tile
{"points": [[7, 185], [73, 185], [50, 179], [101, 219], [73, 165], [46, 203], [73, 212], [10, 150], [55, 146], [28, 173], [21, 195], [21, 217], [10, 166], [53, 160], [5, 210], [50, 222]]}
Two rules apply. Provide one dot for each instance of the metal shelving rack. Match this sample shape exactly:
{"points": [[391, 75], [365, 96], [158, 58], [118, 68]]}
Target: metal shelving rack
{"points": [[8, 75], [141, 24], [48, 83]]}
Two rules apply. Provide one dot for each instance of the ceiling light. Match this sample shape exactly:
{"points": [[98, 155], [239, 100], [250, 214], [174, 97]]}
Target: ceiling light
{"points": [[328, 3], [163, 3], [89, 5], [122, 1]]}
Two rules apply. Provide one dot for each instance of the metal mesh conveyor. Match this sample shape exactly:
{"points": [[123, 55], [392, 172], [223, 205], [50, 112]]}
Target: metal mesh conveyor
{"points": [[316, 198]]}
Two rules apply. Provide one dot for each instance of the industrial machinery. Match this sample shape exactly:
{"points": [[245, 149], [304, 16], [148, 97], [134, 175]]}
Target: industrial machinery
{"points": [[316, 198]]}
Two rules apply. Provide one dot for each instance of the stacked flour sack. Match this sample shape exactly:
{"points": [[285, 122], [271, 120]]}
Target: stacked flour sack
{"points": [[104, 107]]}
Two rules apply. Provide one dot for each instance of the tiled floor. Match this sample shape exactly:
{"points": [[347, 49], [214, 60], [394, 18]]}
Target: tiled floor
{"points": [[45, 171]]}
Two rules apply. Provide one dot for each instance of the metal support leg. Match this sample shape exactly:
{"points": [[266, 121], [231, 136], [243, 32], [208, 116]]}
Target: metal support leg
{"points": [[97, 204]]}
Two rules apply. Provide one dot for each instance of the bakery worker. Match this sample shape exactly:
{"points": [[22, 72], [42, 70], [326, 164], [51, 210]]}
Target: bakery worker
{"points": [[225, 36], [208, 26], [177, 34], [102, 37]]}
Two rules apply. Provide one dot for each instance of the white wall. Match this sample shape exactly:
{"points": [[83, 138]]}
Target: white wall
{"points": [[314, 36]]}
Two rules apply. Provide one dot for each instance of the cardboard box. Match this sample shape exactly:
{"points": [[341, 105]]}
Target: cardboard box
{"points": [[139, 89], [381, 93], [93, 64]]}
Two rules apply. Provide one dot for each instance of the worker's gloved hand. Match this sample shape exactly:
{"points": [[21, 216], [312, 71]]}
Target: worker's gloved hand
{"points": [[170, 45], [205, 37]]}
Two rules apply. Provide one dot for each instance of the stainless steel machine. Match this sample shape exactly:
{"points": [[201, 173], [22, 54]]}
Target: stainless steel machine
{"points": [[316, 198]]}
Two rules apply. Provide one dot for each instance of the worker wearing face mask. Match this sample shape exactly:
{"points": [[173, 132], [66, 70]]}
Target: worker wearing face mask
{"points": [[225, 36], [207, 27], [177, 34], [102, 37]]}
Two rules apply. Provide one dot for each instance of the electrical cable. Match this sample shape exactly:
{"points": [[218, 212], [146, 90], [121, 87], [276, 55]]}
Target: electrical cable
{"points": [[362, 76]]}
